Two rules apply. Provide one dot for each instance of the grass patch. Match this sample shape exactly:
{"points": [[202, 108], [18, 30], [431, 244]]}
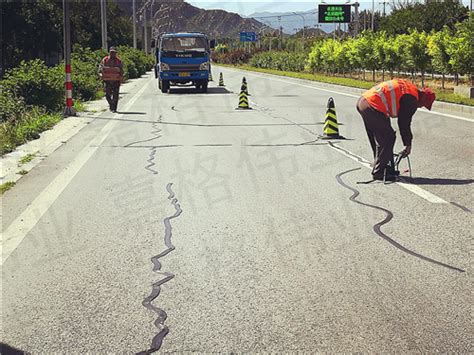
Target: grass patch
{"points": [[79, 106], [27, 158], [99, 94], [6, 186], [29, 127], [22, 172], [441, 95]]}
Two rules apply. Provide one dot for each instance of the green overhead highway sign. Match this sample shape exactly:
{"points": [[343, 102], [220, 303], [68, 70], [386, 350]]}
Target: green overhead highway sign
{"points": [[334, 13]]}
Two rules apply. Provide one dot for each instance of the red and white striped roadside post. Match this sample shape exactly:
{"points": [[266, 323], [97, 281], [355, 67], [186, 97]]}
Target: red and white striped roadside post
{"points": [[69, 109]]}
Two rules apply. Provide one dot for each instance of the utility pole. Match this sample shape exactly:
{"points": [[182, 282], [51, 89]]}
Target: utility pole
{"points": [[372, 24], [103, 22], [151, 21], [145, 32], [356, 18], [69, 109], [280, 28], [134, 19], [384, 3], [304, 25]]}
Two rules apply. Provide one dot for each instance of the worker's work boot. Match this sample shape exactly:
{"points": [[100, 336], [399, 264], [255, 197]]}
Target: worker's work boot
{"points": [[390, 169], [386, 178]]}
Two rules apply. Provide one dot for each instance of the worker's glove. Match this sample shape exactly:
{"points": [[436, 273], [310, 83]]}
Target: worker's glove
{"points": [[406, 152]]}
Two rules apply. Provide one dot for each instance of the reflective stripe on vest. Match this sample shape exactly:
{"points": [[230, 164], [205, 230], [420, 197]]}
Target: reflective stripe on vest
{"points": [[378, 97]]}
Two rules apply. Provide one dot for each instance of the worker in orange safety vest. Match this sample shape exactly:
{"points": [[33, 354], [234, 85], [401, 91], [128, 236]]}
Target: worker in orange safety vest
{"points": [[112, 88], [394, 98]]}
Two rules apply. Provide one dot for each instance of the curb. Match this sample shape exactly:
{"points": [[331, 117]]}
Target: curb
{"points": [[52, 139]]}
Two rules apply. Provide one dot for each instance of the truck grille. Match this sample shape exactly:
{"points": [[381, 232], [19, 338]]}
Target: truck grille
{"points": [[184, 67]]}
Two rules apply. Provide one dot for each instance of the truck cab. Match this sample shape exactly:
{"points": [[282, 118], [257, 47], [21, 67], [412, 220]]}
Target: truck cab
{"points": [[183, 58]]}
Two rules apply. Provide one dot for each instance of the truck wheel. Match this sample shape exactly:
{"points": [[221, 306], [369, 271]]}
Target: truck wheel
{"points": [[204, 87], [159, 84], [165, 86]]}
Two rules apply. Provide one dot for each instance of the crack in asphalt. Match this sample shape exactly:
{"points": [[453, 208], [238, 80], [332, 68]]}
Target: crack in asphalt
{"points": [[159, 323], [465, 209], [153, 150], [157, 340], [388, 217]]}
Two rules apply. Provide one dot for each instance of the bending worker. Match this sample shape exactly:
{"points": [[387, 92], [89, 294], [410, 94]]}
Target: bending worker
{"points": [[395, 98], [112, 87]]}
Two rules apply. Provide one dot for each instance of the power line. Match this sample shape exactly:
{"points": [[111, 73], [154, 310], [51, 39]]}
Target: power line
{"points": [[286, 15]]}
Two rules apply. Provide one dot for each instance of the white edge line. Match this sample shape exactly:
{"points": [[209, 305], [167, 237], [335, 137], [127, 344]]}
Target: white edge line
{"points": [[410, 187], [428, 196], [277, 78], [25, 222]]}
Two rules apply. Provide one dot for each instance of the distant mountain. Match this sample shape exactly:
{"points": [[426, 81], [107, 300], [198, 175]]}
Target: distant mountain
{"points": [[179, 16], [290, 22]]}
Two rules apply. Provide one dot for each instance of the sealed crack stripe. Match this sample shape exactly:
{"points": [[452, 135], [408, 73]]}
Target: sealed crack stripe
{"points": [[156, 287], [388, 217], [153, 150]]}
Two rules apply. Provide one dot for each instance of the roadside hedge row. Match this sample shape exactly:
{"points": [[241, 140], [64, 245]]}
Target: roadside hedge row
{"points": [[32, 93], [238, 56], [286, 61]]}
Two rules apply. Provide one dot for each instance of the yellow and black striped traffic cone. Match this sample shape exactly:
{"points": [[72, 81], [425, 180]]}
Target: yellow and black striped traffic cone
{"points": [[221, 80], [243, 100], [331, 128], [210, 76]]}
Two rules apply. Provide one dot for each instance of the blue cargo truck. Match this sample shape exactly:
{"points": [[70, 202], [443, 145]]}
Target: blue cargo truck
{"points": [[183, 59]]}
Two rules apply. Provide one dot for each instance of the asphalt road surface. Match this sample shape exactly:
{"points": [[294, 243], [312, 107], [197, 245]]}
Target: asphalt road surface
{"points": [[184, 223]]}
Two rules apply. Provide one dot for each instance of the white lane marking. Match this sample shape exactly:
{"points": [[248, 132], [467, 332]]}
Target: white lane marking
{"points": [[424, 110], [428, 196], [25, 222], [271, 77]]}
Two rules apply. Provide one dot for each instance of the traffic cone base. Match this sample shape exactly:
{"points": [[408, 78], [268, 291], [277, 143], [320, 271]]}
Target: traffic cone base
{"points": [[243, 102]]}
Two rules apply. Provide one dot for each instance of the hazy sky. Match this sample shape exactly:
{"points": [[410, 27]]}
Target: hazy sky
{"points": [[247, 7]]}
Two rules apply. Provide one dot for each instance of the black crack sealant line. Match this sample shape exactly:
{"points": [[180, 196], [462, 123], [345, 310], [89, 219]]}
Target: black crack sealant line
{"points": [[153, 150], [156, 287], [156, 130], [389, 214], [388, 217]]}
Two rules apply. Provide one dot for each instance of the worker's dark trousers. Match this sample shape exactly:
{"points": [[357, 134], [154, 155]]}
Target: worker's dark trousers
{"points": [[381, 136], [112, 93]]}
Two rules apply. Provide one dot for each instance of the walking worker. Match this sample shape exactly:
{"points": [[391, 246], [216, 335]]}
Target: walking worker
{"points": [[394, 98], [111, 72]]}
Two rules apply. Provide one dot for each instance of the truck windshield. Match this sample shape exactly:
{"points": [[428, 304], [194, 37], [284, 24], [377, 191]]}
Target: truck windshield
{"points": [[184, 44]]}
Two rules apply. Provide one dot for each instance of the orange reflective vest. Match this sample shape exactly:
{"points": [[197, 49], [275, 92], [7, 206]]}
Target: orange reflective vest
{"points": [[385, 97]]}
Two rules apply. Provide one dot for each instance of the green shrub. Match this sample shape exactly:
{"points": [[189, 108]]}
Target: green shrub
{"points": [[85, 80], [37, 84], [32, 95], [12, 106], [232, 57], [33, 121], [286, 61], [135, 62]]}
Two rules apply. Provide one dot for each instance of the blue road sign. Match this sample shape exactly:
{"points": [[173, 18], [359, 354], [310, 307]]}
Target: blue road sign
{"points": [[248, 37]]}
